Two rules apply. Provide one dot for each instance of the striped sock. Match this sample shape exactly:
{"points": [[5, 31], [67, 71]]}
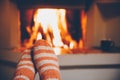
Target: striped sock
{"points": [[46, 61], [25, 68]]}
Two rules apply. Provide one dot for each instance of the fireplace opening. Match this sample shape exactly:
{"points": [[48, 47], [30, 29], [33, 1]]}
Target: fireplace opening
{"points": [[64, 28]]}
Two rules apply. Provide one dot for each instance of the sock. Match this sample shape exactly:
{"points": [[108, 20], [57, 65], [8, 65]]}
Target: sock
{"points": [[46, 61], [25, 68]]}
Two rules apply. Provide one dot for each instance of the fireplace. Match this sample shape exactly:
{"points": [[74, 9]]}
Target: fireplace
{"points": [[64, 25], [91, 25], [61, 27]]}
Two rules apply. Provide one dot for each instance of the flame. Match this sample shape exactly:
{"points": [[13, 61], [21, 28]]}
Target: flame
{"points": [[83, 22], [50, 24], [39, 36], [49, 19]]}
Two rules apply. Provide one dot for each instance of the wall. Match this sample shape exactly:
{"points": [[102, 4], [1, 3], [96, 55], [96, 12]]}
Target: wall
{"points": [[9, 29], [103, 23]]}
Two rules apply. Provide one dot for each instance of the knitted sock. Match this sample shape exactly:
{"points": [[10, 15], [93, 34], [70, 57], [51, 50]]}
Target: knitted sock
{"points": [[25, 68], [46, 61]]}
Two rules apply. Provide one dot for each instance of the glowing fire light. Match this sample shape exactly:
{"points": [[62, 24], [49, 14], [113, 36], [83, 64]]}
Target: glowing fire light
{"points": [[48, 19], [50, 24], [84, 22], [39, 36]]}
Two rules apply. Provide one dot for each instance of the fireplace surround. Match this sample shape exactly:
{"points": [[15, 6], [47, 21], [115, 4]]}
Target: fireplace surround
{"points": [[26, 9]]}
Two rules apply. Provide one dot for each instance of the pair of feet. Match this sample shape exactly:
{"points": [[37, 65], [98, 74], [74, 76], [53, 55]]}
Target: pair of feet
{"points": [[40, 58]]}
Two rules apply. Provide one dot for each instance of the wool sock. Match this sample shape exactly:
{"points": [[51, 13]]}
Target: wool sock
{"points": [[46, 61], [25, 68]]}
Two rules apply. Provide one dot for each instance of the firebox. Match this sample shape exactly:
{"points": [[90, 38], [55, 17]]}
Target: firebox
{"points": [[61, 27], [62, 23]]}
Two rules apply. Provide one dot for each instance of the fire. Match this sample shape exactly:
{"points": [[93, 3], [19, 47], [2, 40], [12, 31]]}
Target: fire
{"points": [[50, 24], [53, 25], [49, 19], [84, 22], [39, 36]]}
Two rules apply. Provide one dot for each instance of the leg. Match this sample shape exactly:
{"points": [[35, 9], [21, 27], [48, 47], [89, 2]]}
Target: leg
{"points": [[46, 61], [25, 68]]}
